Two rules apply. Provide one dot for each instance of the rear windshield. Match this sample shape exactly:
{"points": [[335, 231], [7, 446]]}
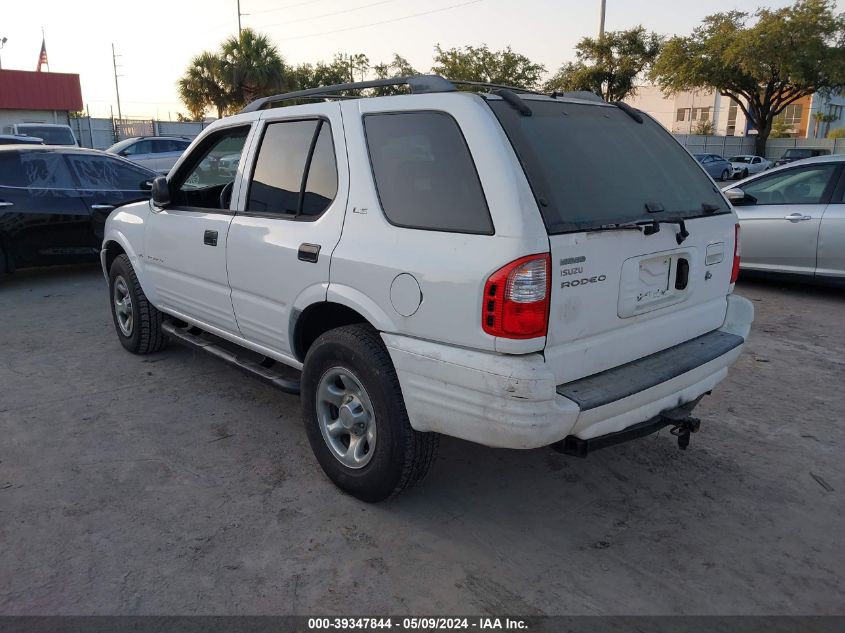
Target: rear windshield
{"points": [[593, 165], [804, 153], [51, 135]]}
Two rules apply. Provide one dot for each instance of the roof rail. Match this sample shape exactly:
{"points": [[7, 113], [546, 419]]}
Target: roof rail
{"points": [[577, 94], [418, 84]]}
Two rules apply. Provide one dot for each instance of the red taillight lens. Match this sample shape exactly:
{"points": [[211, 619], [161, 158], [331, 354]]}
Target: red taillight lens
{"points": [[516, 299], [735, 270]]}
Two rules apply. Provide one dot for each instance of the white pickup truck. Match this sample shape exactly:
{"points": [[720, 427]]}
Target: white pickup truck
{"points": [[514, 269]]}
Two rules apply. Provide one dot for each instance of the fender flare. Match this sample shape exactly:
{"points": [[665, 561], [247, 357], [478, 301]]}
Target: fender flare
{"points": [[361, 303]]}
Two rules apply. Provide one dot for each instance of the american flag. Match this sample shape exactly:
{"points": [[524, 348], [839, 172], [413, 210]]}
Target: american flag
{"points": [[42, 58]]}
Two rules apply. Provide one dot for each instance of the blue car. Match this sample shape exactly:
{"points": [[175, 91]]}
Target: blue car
{"points": [[717, 166]]}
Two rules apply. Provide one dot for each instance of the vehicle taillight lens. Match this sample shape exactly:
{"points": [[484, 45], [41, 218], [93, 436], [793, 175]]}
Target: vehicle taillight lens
{"points": [[516, 299], [735, 271]]}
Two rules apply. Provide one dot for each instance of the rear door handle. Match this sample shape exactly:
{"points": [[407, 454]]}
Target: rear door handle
{"points": [[797, 217], [210, 238], [102, 207], [309, 253], [3, 203]]}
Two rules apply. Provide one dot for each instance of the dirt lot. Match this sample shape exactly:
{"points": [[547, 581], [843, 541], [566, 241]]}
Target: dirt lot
{"points": [[173, 484]]}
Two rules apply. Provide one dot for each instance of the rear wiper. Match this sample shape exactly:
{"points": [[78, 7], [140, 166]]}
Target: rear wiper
{"points": [[647, 227]]}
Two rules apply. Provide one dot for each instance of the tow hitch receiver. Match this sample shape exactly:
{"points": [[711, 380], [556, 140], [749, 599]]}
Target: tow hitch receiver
{"points": [[679, 419], [682, 430]]}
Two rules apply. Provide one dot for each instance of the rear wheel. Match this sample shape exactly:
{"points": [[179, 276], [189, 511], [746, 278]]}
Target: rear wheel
{"points": [[355, 416], [136, 321]]}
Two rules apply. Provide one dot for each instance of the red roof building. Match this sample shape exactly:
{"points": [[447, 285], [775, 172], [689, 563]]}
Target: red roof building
{"points": [[27, 96]]}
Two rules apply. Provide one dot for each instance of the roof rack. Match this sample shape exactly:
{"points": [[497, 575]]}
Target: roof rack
{"points": [[418, 84]]}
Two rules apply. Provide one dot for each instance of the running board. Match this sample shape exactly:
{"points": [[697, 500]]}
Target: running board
{"points": [[265, 370]]}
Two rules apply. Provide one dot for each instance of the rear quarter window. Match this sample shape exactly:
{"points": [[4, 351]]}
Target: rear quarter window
{"points": [[424, 173]]}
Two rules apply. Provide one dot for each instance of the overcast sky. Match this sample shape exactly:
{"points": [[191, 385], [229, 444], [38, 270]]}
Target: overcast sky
{"points": [[156, 38]]}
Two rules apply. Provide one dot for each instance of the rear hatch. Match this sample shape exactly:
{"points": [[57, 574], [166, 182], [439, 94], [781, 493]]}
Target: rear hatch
{"points": [[641, 239]]}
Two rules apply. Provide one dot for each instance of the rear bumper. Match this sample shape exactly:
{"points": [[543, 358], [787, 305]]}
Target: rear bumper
{"points": [[513, 401]]}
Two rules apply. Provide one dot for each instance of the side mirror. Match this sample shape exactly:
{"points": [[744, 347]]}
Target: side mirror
{"points": [[161, 191], [736, 196]]}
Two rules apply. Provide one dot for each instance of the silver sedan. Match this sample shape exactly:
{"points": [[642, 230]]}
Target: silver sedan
{"points": [[792, 218]]}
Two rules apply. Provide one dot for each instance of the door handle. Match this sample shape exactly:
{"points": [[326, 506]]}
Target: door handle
{"points": [[797, 217], [102, 207], [3, 203], [309, 253], [210, 238]]}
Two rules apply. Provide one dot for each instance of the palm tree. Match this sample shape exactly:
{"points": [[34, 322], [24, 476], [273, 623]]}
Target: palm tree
{"points": [[202, 86], [252, 67]]}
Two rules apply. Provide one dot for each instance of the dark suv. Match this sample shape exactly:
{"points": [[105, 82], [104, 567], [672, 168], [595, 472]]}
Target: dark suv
{"points": [[798, 153]]}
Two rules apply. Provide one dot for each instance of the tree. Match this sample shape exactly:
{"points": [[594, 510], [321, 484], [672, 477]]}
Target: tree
{"points": [[703, 128], [763, 62], [252, 67], [780, 129], [397, 67], [818, 119], [472, 63], [203, 86], [837, 133], [609, 65]]}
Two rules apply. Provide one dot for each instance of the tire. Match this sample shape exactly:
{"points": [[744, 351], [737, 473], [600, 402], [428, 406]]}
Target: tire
{"points": [[138, 324], [350, 365], [744, 173], [725, 175], [2, 261]]}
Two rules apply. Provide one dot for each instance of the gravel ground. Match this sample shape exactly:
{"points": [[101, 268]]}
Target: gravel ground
{"points": [[173, 484]]}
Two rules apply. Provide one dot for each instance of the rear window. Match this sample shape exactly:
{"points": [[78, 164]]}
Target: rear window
{"points": [[51, 135], [424, 173], [593, 165]]}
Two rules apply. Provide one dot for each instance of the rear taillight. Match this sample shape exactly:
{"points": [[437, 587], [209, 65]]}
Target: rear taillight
{"points": [[516, 299], [735, 270]]}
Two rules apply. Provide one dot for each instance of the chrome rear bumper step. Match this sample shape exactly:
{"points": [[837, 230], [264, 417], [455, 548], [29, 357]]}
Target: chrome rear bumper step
{"points": [[267, 370]]}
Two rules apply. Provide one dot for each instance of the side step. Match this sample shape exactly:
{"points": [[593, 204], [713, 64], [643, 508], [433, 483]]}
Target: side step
{"points": [[268, 370]]}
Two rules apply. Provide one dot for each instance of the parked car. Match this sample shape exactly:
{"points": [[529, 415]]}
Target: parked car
{"points": [[158, 153], [11, 139], [715, 165], [800, 153], [54, 202], [441, 262], [793, 219], [745, 164], [49, 133]]}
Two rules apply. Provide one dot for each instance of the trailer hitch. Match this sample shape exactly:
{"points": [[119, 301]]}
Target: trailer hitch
{"points": [[682, 430]]}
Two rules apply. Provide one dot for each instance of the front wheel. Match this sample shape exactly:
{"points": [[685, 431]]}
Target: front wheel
{"points": [[725, 175], [136, 320], [355, 416]]}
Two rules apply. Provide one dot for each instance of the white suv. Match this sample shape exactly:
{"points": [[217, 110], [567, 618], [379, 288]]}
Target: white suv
{"points": [[514, 269]]}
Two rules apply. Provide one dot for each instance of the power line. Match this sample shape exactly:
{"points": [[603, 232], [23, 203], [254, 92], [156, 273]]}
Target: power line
{"points": [[289, 6], [399, 19], [330, 14]]}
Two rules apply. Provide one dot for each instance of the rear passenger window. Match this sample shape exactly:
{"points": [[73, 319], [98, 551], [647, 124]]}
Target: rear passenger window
{"points": [[424, 173], [11, 173], [296, 171]]}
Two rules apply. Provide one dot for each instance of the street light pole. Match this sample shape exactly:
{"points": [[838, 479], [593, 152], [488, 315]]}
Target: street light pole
{"points": [[601, 18], [239, 19], [116, 88], [3, 41]]}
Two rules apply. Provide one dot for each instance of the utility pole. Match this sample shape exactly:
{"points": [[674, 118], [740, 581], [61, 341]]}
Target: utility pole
{"points": [[116, 88], [601, 18], [3, 41], [239, 19]]}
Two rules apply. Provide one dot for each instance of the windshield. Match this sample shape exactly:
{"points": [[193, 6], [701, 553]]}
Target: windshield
{"points": [[798, 153], [593, 165], [50, 135], [121, 145], [740, 159]]}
